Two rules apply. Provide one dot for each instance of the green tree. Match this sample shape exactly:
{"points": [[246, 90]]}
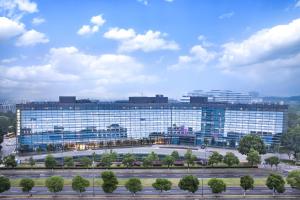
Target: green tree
{"points": [[4, 184], [190, 158], [31, 162], [215, 158], [134, 185], [230, 159], [110, 181], [253, 157], [153, 156], [162, 184], [128, 160], [249, 142], [50, 162], [80, 184], [169, 161], [86, 161], [55, 184], [10, 161], [147, 162], [108, 158], [275, 182], [189, 183], [175, 155], [291, 140], [273, 160], [217, 185], [26, 184], [247, 183], [293, 179], [69, 161]]}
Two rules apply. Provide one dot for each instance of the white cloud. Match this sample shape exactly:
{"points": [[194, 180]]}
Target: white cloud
{"points": [[68, 70], [267, 44], [16, 8], [131, 41], [31, 38], [297, 5], [27, 6], [38, 20], [199, 57], [10, 28], [226, 15], [119, 34], [97, 22], [145, 2], [8, 60]]}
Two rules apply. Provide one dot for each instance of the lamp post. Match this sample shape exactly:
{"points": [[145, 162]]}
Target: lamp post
{"points": [[94, 174], [202, 186]]}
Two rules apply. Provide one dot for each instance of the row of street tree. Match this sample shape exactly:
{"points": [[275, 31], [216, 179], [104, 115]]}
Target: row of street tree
{"points": [[190, 183]]}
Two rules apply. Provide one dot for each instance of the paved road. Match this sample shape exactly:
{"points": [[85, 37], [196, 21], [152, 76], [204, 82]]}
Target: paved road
{"points": [[150, 191], [141, 173]]}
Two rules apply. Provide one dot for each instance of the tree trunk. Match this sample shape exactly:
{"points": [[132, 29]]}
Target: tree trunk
{"points": [[244, 193]]}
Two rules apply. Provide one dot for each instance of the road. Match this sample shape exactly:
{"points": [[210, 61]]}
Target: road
{"points": [[150, 191], [141, 173]]}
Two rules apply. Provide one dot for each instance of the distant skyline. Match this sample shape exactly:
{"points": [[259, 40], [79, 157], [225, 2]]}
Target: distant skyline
{"points": [[105, 49]]}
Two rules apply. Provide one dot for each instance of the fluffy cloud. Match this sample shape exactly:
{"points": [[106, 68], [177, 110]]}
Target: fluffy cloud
{"points": [[31, 38], [15, 8], [131, 41], [38, 20], [268, 44], [69, 70], [96, 21], [10, 28], [199, 57]]}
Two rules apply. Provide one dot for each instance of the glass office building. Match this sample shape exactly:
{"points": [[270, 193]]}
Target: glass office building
{"points": [[83, 124]]}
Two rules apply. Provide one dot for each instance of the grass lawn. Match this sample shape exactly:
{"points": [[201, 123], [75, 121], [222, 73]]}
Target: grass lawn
{"points": [[145, 181]]}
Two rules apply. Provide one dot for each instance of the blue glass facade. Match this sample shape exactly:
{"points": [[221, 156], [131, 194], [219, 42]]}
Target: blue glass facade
{"points": [[85, 123]]}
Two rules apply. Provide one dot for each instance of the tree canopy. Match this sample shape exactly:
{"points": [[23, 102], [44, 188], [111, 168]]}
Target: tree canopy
{"points": [[134, 185], [230, 159], [175, 155], [273, 160], [293, 179], [253, 157], [50, 162], [217, 185], [169, 160], [80, 184], [247, 183], [55, 184], [4, 184], [275, 182], [26, 184], [110, 181], [249, 142], [190, 158], [189, 183], [215, 158], [128, 160], [10, 161], [291, 140], [162, 184]]}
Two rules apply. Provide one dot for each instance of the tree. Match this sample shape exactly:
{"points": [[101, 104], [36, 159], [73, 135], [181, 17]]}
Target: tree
{"points": [[215, 158], [26, 184], [249, 142], [55, 184], [10, 161], [50, 162], [247, 183], [153, 156], [253, 157], [162, 184], [231, 159], [273, 160], [4, 184], [291, 140], [31, 162], [134, 185], [79, 184], [108, 158], [189, 158], [110, 181], [68, 161], [168, 160], [86, 161], [175, 155], [293, 179], [147, 162], [189, 183], [275, 182], [217, 185], [128, 160]]}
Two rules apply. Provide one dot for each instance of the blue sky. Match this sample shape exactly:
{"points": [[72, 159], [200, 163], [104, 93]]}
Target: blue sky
{"points": [[113, 49]]}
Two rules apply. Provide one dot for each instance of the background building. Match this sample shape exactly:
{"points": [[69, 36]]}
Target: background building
{"points": [[84, 124]]}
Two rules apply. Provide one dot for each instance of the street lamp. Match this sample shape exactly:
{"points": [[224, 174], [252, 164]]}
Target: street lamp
{"points": [[94, 173]]}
